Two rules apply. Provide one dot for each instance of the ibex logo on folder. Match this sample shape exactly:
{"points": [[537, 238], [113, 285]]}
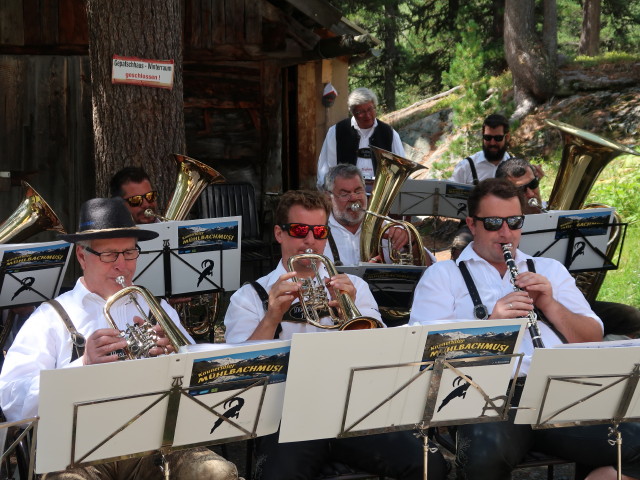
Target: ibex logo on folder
{"points": [[233, 412]]}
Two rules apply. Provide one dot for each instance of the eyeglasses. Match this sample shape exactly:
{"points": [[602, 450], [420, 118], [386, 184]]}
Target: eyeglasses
{"points": [[110, 257], [359, 113], [532, 185], [345, 196], [136, 200], [493, 224], [301, 230], [497, 138]]}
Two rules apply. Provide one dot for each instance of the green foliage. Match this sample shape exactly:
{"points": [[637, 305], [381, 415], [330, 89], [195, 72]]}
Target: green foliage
{"points": [[623, 285], [607, 57]]}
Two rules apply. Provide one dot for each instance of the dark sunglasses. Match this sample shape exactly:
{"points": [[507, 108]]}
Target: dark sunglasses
{"points": [[497, 138], [136, 200], [301, 230], [532, 185], [493, 224]]}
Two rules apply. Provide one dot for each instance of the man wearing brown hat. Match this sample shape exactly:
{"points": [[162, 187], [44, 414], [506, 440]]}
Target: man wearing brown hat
{"points": [[106, 248]]}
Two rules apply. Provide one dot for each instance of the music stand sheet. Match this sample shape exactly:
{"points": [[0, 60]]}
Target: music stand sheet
{"points": [[32, 272], [593, 376], [389, 361], [205, 256], [547, 235], [432, 197], [84, 406]]}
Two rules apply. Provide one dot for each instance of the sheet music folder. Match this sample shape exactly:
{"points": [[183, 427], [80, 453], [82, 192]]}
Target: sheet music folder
{"points": [[100, 413], [370, 381], [432, 197], [582, 384], [576, 238], [191, 257], [32, 272]]}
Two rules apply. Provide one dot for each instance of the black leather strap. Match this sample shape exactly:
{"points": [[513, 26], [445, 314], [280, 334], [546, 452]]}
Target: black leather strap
{"points": [[334, 250], [264, 298], [77, 338], [479, 309], [474, 173]]}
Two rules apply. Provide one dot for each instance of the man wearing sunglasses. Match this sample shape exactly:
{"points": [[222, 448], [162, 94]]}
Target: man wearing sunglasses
{"points": [[618, 319], [269, 308], [72, 332], [483, 164], [348, 141], [492, 450], [134, 186]]}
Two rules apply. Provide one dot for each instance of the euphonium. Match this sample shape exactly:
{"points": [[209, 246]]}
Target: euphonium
{"points": [[193, 178], [142, 338], [315, 302], [584, 156], [391, 172], [32, 216]]}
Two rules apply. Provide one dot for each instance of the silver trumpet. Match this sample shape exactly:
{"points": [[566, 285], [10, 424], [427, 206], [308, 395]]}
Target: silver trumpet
{"points": [[315, 302], [142, 338], [532, 324]]}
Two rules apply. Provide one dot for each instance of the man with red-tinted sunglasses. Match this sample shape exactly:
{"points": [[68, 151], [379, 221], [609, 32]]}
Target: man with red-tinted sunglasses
{"points": [[269, 308], [133, 185]]}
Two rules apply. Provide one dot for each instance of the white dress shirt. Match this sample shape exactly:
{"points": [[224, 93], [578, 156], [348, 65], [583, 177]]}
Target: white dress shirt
{"points": [[329, 157], [44, 342], [484, 168], [246, 310], [442, 295]]}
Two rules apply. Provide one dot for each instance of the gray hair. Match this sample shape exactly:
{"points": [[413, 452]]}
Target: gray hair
{"points": [[84, 243], [359, 96], [514, 168], [344, 170]]}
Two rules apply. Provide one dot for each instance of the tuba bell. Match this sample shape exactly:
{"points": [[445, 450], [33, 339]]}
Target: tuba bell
{"points": [[315, 302], [584, 156], [32, 216], [198, 315], [391, 172], [193, 177], [142, 338]]}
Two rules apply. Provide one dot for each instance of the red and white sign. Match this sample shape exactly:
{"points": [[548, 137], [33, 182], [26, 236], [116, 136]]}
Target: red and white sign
{"points": [[140, 71]]}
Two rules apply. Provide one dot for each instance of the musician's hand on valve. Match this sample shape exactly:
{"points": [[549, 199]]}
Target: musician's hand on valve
{"points": [[537, 286], [101, 345], [163, 344], [282, 294], [343, 283], [513, 305], [397, 236]]}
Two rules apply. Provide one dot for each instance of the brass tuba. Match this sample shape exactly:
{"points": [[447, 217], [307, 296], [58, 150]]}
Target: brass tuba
{"points": [[193, 177], [584, 156], [32, 216], [198, 315], [142, 338], [391, 172], [315, 302]]}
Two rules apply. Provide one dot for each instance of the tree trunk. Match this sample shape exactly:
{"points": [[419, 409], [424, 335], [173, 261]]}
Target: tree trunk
{"points": [[133, 124], [533, 64], [390, 61], [590, 35]]}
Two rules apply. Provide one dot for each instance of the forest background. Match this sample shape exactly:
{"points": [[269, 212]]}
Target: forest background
{"points": [[518, 58]]}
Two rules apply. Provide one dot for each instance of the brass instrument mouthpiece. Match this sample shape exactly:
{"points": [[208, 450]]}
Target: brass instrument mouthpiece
{"points": [[120, 280], [355, 207]]}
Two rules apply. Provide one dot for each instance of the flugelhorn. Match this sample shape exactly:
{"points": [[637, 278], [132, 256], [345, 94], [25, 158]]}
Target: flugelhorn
{"points": [[315, 301], [391, 172], [32, 216], [142, 338]]}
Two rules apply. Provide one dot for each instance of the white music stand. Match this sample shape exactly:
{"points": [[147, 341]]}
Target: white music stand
{"points": [[576, 238], [213, 394], [433, 198], [191, 257], [374, 381], [32, 272], [28, 426], [592, 383]]}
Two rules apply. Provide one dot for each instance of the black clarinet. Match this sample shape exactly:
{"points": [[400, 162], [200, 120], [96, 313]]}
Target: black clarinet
{"points": [[532, 324]]}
